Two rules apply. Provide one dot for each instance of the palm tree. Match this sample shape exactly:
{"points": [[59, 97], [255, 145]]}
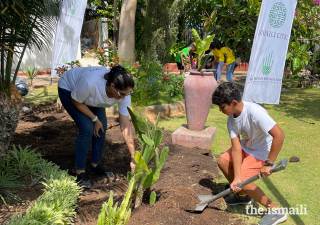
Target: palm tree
{"points": [[24, 24]]}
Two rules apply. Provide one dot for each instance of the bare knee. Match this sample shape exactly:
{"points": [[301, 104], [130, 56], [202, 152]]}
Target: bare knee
{"points": [[223, 164]]}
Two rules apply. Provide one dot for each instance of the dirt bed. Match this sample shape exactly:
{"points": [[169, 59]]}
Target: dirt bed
{"points": [[187, 173]]}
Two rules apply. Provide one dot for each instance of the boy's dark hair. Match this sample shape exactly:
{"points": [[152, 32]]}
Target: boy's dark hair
{"points": [[226, 93], [212, 45]]}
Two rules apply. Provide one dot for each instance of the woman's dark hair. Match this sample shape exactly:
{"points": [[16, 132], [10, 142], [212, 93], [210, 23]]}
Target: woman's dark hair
{"points": [[226, 93], [120, 78]]}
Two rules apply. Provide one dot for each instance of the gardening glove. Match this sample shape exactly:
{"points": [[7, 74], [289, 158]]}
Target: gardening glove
{"points": [[97, 127], [265, 171]]}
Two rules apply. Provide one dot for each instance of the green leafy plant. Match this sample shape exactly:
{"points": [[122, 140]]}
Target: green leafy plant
{"points": [[297, 58], [202, 46], [150, 138], [67, 66], [102, 56], [148, 82], [112, 215], [8, 180], [31, 73], [173, 84], [24, 160]]}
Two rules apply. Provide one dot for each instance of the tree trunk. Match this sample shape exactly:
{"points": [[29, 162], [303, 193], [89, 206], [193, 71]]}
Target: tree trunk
{"points": [[9, 117], [126, 51]]}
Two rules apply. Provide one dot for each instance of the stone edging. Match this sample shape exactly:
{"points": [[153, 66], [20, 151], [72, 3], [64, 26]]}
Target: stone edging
{"points": [[166, 111]]}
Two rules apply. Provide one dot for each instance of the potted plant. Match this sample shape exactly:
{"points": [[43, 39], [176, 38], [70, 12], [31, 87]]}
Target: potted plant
{"points": [[199, 87]]}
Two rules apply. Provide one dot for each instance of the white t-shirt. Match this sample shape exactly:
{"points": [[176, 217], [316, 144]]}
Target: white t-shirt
{"points": [[87, 85], [253, 124]]}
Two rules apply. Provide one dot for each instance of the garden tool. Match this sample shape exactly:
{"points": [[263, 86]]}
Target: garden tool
{"points": [[206, 199]]}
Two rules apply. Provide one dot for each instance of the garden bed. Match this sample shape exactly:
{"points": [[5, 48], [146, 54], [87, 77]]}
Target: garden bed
{"points": [[186, 173]]}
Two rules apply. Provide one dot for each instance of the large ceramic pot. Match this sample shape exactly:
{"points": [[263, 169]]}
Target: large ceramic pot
{"points": [[198, 90]]}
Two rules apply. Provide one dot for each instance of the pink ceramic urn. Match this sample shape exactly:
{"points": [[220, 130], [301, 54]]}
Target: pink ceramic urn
{"points": [[198, 90]]}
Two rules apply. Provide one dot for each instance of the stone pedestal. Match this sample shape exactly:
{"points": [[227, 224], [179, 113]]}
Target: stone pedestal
{"points": [[202, 139]]}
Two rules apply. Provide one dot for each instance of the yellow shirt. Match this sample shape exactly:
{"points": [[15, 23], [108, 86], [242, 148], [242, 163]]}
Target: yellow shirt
{"points": [[230, 56], [218, 54]]}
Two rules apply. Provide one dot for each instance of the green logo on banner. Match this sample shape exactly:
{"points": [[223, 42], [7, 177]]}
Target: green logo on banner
{"points": [[64, 58], [73, 7], [277, 15], [267, 64], [68, 33]]}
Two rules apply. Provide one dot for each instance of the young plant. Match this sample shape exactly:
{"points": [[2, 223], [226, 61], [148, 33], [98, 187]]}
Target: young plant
{"points": [[111, 214], [8, 180], [150, 138], [31, 73], [103, 58], [202, 46], [64, 68]]}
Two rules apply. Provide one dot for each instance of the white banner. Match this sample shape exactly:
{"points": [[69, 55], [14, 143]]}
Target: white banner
{"points": [[270, 45], [68, 33]]}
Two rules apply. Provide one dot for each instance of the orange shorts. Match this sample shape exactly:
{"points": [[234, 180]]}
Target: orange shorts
{"points": [[250, 165]]}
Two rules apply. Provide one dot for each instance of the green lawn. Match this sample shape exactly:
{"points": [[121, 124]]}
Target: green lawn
{"points": [[44, 95], [299, 114]]}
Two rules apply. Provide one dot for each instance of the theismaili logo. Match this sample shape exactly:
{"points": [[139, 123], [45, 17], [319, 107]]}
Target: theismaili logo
{"points": [[73, 7], [68, 33], [267, 64], [277, 15], [64, 58]]}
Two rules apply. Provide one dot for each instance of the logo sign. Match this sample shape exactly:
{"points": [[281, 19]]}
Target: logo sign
{"points": [[73, 7], [267, 64], [278, 14], [68, 33], [64, 58]]}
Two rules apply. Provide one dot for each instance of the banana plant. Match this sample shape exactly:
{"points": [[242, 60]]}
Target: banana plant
{"points": [[150, 139], [202, 46]]}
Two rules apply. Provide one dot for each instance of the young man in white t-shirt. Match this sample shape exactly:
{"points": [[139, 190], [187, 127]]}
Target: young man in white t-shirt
{"points": [[254, 154]]}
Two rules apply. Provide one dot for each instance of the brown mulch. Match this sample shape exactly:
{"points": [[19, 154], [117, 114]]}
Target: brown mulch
{"points": [[187, 173]]}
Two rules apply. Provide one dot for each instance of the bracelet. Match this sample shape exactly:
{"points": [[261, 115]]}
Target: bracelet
{"points": [[268, 163], [95, 119]]}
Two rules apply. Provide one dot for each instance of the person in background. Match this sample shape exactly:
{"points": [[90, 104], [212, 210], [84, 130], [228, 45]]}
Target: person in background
{"points": [[211, 57], [85, 92], [183, 55], [218, 60], [230, 62]]}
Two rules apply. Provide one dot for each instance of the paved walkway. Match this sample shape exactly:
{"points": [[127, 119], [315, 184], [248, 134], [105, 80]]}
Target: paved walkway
{"points": [[45, 79]]}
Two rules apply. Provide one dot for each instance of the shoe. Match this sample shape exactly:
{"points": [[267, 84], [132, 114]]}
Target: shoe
{"points": [[83, 180], [100, 170], [274, 217], [236, 200]]}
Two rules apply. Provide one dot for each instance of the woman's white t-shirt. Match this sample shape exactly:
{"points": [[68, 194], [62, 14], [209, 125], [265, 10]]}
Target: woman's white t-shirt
{"points": [[254, 124], [87, 85]]}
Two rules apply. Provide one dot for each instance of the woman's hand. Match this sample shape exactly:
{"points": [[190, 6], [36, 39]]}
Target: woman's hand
{"points": [[132, 165], [233, 185], [265, 171], [97, 127]]}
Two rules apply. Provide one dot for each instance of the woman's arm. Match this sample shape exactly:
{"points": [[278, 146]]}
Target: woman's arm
{"points": [[86, 111], [126, 131]]}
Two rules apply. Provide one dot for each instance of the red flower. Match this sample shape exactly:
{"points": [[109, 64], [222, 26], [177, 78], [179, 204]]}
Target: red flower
{"points": [[167, 78], [101, 50], [182, 85], [156, 65], [114, 58]]}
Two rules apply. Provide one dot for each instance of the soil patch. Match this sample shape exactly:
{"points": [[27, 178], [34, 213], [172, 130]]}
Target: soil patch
{"points": [[187, 173]]}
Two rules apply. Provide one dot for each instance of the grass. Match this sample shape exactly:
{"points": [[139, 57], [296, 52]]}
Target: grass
{"points": [[298, 115], [44, 95]]}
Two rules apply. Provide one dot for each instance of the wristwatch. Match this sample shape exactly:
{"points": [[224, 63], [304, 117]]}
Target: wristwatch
{"points": [[268, 163], [95, 119]]}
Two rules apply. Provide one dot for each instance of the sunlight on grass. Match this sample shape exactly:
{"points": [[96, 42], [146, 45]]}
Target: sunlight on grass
{"points": [[44, 95], [298, 115]]}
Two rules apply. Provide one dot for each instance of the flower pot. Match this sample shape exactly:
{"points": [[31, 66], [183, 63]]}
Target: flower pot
{"points": [[198, 90]]}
